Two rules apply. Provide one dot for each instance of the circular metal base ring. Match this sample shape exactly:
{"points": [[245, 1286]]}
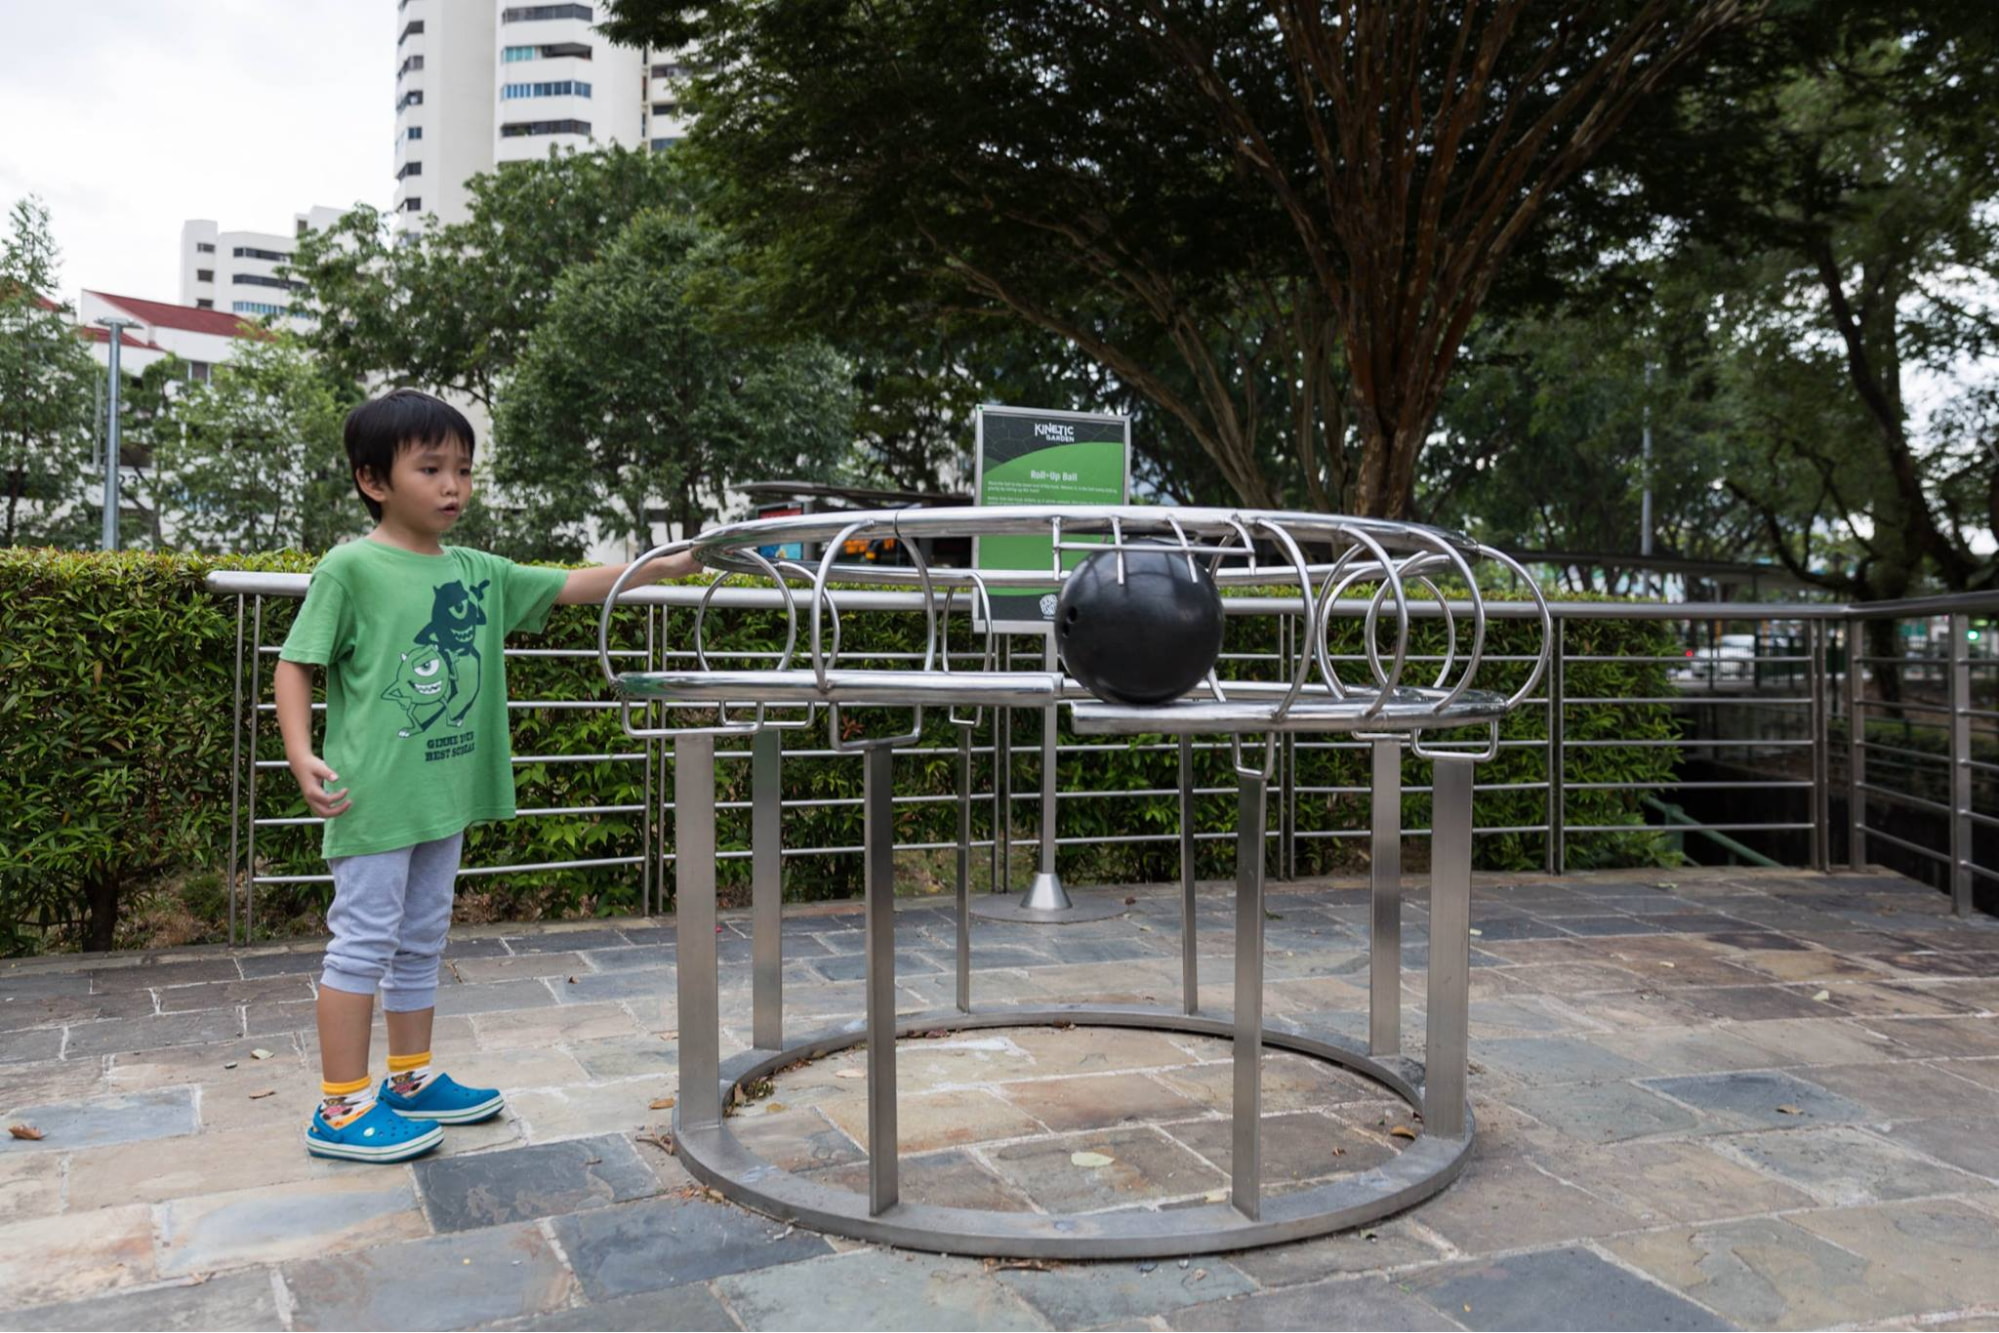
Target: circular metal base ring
{"points": [[1011, 909], [714, 1155]]}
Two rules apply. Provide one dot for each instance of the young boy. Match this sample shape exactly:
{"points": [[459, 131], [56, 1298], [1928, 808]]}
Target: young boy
{"points": [[409, 632]]}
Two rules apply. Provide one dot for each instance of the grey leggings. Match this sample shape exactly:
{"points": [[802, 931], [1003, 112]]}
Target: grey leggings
{"points": [[389, 917]]}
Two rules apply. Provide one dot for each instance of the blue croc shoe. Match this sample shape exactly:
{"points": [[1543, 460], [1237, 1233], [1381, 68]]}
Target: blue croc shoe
{"points": [[376, 1135], [443, 1102]]}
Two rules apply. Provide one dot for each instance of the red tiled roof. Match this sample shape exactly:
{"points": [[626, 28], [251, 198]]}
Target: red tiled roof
{"points": [[162, 314], [101, 335]]}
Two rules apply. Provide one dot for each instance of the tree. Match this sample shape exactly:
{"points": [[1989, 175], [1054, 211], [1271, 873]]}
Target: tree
{"points": [[47, 381], [1285, 194], [626, 394], [253, 460]]}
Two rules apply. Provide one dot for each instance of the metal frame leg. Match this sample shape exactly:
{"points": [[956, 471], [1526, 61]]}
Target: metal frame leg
{"points": [[1384, 956], [879, 841], [964, 903], [1190, 966], [767, 889], [1446, 1051], [1960, 764], [1246, 1113], [694, 913]]}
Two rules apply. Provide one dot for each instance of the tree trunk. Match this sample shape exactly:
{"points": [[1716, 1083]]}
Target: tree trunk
{"points": [[101, 901]]}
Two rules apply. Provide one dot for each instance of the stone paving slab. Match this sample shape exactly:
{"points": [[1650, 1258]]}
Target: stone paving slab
{"points": [[1633, 1041]]}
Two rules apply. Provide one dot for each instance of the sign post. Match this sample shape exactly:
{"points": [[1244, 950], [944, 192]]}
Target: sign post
{"points": [[1040, 456]]}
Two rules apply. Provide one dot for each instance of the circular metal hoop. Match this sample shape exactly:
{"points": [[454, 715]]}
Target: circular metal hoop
{"points": [[714, 1155]]}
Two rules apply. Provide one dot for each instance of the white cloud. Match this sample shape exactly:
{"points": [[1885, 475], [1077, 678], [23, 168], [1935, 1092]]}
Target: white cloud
{"points": [[129, 117]]}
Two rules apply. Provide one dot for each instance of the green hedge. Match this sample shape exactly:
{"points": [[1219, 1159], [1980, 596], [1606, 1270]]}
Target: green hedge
{"points": [[115, 708]]}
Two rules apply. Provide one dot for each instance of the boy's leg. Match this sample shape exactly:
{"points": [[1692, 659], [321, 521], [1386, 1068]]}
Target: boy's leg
{"points": [[366, 921], [415, 1088]]}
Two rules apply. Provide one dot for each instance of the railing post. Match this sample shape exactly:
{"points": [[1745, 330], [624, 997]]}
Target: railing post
{"points": [[1960, 763], [767, 889], [696, 998], [1856, 752], [1821, 725], [236, 770], [250, 798], [1558, 852]]}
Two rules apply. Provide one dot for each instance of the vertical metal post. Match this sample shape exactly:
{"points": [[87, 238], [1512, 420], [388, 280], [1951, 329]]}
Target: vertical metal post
{"points": [[1287, 762], [250, 798], [1821, 728], [112, 446], [1190, 967], [1446, 1050], [879, 843], [1384, 945], [1558, 673], [964, 903], [1003, 785], [236, 770], [1246, 1149], [767, 889], [1045, 891], [1960, 763], [648, 822], [1856, 751], [694, 913]]}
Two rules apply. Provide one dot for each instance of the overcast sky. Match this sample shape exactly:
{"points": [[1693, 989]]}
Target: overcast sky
{"points": [[128, 117]]}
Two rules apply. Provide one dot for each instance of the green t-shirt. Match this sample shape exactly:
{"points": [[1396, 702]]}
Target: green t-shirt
{"points": [[416, 686]]}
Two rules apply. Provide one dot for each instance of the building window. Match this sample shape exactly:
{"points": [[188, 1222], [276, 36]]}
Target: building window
{"points": [[260, 280], [512, 53], [665, 108], [204, 304], [251, 252], [566, 51], [522, 128], [413, 132], [414, 97], [661, 145], [535, 13], [256, 308], [204, 247], [204, 275], [413, 204], [669, 71], [415, 29], [413, 63], [557, 88], [410, 169], [199, 371]]}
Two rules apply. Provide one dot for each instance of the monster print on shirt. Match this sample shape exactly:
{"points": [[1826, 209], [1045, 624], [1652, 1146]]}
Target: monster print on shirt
{"points": [[439, 676]]}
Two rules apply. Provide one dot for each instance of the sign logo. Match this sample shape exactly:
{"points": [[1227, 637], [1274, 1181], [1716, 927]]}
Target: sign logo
{"points": [[1061, 432], [1048, 606]]}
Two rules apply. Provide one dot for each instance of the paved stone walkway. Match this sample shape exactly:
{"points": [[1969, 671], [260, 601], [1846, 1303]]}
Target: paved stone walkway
{"points": [[1748, 1098]]}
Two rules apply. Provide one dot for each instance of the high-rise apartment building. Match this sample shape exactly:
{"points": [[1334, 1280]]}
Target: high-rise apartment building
{"points": [[236, 271], [481, 82]]}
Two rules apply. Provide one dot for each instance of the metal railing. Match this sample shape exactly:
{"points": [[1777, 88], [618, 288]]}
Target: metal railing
{"points": [[1915, 786]]}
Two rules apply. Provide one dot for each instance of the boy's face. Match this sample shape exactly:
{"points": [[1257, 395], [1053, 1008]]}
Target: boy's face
{"points": [[429, 487]]}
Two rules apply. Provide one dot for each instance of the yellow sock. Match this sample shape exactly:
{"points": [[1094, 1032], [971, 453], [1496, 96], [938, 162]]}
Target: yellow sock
{"points": [[342, 1102], [408, 1073]]}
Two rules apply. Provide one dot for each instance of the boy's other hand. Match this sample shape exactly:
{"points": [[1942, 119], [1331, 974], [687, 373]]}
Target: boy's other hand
{"points": [[313, 776]]}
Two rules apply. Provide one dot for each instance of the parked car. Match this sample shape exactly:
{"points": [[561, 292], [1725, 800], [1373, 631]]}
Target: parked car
{"points": [[1732, 657]]}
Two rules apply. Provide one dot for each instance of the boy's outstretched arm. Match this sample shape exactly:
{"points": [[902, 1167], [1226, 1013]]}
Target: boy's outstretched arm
{"points": [[594, 584]]}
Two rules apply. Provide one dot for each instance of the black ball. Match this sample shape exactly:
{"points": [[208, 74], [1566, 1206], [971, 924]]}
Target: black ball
{"points": [[1146, 641]]}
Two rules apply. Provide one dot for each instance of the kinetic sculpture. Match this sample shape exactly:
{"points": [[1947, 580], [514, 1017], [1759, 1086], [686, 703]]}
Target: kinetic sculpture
{"points": [[1138, 624]]}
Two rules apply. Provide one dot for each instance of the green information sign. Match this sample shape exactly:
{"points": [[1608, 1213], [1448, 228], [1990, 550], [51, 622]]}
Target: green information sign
{"points": [[1028, 456]]}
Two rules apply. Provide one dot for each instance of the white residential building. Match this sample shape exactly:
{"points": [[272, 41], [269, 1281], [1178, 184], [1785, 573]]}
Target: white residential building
{"points": [[202, 338], [236, 271], [481, 82]]}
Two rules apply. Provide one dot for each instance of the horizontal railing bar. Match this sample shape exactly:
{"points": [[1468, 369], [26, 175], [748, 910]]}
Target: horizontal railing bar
{"points": [[1871, 832], [1905, 798]]}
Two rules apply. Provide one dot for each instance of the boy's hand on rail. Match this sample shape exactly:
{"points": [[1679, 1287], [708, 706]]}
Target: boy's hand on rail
{"points": [[313, 774], [594, 584]]}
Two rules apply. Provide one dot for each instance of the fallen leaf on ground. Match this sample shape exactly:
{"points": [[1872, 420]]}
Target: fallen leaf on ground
{"points": [[267, 1092], [260, 1054], [1476, 931], [228, 1064], [572, 981], [661, 1104], [1790, 1110], [1402, 1132], [1130, 901], [775, 1107], [25, 1132], [671, 1034], [1090, 1159], [1823, 995], [1664, 963], [850, 1073], [661, 1141]]}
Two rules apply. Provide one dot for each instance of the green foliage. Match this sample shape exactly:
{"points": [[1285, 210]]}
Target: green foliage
{"points": [[626, 393], [47, 379], [116, 697], [253, 459]]}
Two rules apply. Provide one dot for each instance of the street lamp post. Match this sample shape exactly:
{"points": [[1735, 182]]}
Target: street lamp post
{"points": [[117, 327]]}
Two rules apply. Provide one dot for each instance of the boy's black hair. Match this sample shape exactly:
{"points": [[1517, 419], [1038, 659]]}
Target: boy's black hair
{"points": [[380, 429]]}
